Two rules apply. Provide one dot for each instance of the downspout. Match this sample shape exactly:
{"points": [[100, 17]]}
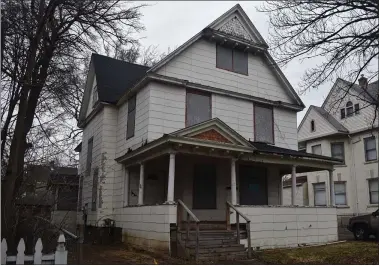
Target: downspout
{"points": [[354, 176]]}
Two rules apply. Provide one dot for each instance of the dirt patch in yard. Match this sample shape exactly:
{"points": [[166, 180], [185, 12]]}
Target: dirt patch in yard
{"points": [[352, 252]]}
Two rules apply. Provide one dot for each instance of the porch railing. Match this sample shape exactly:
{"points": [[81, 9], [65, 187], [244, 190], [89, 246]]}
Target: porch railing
{"points": [[228, 227], [182, 207]]}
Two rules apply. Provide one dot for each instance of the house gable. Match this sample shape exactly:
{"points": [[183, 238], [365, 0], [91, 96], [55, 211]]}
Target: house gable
{"points": [[195, 61], [213, 130], [86, 107]]}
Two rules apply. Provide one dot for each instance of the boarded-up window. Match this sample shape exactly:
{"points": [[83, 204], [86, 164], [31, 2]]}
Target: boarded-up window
{"points": [[89, 157], [320, 194], [67, 198], [231, 59], [370, 148], [338, 150], [94, 188], [263, 124], [316, 149], [198, 108], [340, 193], [131, 122]]}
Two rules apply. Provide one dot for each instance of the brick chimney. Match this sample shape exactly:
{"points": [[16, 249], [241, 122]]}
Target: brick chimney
{"points": [[363, 82]]}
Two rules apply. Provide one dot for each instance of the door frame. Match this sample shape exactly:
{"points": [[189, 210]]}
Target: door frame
{"points": [[193, 185], [239, 179]]}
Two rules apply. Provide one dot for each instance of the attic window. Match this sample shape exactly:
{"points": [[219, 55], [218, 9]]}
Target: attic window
{"points": [[356, 108], [349, 108], [231, 60], [95, 97], [313, 128]]}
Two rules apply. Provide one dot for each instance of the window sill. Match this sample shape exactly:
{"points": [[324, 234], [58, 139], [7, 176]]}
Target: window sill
{"points": [[342, 206], [373, 205], [340, 166], [370, 162]]}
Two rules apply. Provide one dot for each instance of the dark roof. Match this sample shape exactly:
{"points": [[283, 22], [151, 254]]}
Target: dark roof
{"points": [[266, 148], [330, 119], [78, 148], [371, 94], [114, 77]]}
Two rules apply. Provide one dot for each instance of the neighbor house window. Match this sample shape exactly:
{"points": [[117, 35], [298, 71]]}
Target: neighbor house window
{"points": [[370, 149], [95, 96], [231, 59], [373, 185], [338, 151], [89, 157], [313, 128], [316, 149], [263, 124], [198, 107], [131, 122], [356, 108], [340, 193], [342, 113], [319, 194], [349, 109]]}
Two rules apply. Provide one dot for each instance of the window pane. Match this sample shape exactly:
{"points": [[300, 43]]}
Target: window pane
{"points": [[356, 108], [316, 149], [340, 199], [349, 111], [131, 122], [371, 155], [373, 184], [342, 113], [132, 104], [370, 144], [224, 58], [240, 62], [264, 125], [340, 193], [374, 197], [320, 198], [339, 188], [337, 151], [198, 108]]}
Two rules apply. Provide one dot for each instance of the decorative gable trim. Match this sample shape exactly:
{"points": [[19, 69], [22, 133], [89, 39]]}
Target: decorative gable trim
{"points": [[234, 27], [213, 130]]}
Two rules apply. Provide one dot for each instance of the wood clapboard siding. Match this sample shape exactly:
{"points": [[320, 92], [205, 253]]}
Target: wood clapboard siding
{"points": [[285, 130], [198, 64], [322, 127]]}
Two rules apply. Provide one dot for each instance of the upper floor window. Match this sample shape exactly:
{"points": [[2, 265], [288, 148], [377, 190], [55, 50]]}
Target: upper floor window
{"points": [[337, 150], [349, 110], [316, 149], [313, 127], [131, 122], [263, 123], [231, 59], [198, 107], [370, 148], [89, 156], [95, 96]]}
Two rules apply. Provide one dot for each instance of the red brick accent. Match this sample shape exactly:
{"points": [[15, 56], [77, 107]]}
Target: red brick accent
{"points": [[212, 135]]}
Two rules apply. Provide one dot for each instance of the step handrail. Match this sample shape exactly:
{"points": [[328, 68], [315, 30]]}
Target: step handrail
{"points": [[238, 214], [181, 206]]}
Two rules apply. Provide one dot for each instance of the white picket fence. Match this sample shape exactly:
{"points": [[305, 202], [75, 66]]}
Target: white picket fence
{"points": [[59, 257]]}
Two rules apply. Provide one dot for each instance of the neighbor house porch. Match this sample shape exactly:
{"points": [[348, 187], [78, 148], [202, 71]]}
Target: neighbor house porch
{"points": [[204, 167]]}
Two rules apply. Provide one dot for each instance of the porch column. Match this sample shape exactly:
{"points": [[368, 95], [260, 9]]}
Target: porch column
{"points": [[141, 183], [233, 181], [126, 187], [293, 188], [171, 179], [331, 188]]}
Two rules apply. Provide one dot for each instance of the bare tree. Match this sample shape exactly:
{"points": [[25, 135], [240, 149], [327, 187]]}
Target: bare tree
{"points": [[342, 35], [42, 43]]}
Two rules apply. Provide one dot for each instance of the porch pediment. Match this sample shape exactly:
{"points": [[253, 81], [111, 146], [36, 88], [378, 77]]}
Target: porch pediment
{"points": [[213, 130]]}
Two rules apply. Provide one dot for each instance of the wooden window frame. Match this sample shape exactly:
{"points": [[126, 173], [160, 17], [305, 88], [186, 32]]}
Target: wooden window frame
{"points": [[204, 93], [273, 121], [341, 182], [343, 149], [233, 71], [314, 194], [365, 147]]}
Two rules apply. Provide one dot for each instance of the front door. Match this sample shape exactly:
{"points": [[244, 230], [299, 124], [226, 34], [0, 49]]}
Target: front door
{"points": [[204, 186], [252, 185]]}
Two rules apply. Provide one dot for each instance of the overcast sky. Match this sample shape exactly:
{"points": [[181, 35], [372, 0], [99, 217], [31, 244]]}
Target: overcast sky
{"points": [[171, 23]]}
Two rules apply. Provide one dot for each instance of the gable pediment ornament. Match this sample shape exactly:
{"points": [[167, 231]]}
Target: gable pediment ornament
{"points": [[235, 28]]}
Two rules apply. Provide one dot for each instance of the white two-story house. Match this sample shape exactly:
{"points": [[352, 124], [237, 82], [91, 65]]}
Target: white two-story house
{"points": [[205, 134], [345, 127]]}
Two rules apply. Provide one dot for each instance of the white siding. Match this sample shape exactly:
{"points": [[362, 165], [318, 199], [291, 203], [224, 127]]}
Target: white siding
{"points": [[90, 102], [148, 227], [285, 131], [322, 127], [198, 64], [273, 227]]}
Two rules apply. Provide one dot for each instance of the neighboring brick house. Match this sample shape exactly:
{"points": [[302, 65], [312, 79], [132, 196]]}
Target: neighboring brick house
{"points": [[213, 121], [345, 127]]}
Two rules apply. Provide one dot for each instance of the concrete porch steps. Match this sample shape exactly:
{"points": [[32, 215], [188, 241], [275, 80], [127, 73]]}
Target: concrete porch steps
{"points": [[214, 245]]}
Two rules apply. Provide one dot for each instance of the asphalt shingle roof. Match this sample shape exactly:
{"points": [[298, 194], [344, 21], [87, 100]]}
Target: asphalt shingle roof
{"points": [[114, 77], [330, 119]]}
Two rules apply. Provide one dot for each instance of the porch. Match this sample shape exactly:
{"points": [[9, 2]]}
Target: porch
{"points": [[203, 175]]}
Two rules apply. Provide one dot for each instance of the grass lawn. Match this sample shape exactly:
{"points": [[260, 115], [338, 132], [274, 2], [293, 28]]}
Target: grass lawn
{"points": [[352, 252]]}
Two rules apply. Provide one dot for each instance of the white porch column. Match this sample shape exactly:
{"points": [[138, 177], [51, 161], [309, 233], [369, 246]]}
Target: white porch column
{"points": [[141, 183], [126, 187], [293, 188], [171, 179], [233, 186], [331, 188]]}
